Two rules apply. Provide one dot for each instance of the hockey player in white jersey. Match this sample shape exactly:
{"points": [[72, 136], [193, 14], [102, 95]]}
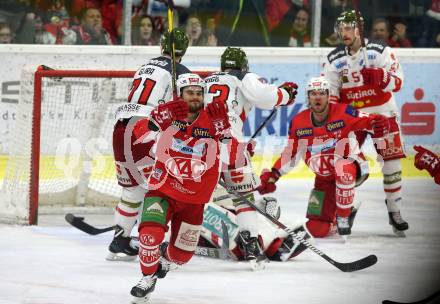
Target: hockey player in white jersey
{"points": [[243, 90], [367, 78], [151, 86]]}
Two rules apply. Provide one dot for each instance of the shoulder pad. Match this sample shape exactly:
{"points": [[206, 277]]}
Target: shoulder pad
{"points": [[336, 53], [181, 69], [376, 45], [239, 74]]}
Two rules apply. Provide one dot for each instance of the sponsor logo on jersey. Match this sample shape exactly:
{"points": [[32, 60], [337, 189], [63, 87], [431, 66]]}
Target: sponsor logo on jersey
{"points": [[237, 176], [180, 124], [212, 79], [337, 53], [146, 70], [304, 132], [179, 187], [157, 174], [376, 46], [361, 94], [327, 145], [351, 111], [147, 239], [335, 125], [179, 145], [157, 62], [341, 64], [201, 133], [155, 208], [185, 168], [321, 164]]}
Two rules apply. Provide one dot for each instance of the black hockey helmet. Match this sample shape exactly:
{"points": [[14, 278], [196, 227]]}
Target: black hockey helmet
{"points": [[235, 59], [348, 18]]}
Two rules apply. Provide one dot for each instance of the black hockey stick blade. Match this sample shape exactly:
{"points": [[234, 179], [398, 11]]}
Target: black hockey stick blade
{"points": [[78, 222], [356, 265]]}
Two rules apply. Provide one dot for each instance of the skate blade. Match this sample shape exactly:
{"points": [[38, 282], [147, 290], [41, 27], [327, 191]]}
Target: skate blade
{"points": [[344, 238], [120, 257], [257, 265], [399, 233]]}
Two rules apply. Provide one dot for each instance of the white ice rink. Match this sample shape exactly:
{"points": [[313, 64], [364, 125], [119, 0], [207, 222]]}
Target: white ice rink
{"points": [[55, 263]]}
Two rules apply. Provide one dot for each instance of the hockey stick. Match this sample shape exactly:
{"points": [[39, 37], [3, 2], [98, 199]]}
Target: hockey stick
{"points": [[264, 123], [78, 222], [360, 27], [345, 267], [170, 5]]}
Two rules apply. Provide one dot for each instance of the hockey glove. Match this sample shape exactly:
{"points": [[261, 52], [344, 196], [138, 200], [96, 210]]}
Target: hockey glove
{"points": [[250, 147], [292, 90], [380, 125], [164, 114], [218, 114], [425, 159], [377, 77], [268, 180]]}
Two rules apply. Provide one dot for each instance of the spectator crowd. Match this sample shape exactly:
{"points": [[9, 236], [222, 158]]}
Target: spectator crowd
{"points": [[286, 23]]}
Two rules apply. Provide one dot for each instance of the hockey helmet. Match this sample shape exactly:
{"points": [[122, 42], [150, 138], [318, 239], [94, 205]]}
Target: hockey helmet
{"points": [[234, 58], [348, 18], [181, 42], [317, 84], [189, 79]]}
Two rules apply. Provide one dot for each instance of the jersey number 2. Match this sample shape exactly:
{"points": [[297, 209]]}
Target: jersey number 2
{"points": [[146, 90], [221, 90]]}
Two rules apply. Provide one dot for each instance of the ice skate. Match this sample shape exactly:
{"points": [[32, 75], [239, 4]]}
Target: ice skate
{"points": [[343, 225], [121, 247], [252, 250], [397, 222], [142, 291], [165, 265]]}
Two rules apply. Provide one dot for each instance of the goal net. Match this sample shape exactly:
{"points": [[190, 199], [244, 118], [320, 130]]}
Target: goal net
{"points": [[60, 152]]}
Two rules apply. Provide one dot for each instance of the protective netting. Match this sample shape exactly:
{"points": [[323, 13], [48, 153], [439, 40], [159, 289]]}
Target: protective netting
{"points": [[76, 166]]}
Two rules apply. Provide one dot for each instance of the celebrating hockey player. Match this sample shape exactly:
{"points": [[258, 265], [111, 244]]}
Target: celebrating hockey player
{"points": [[241, 90], [367, 78], [427, 160], [323, 136], [151, 86], [182, 180]]}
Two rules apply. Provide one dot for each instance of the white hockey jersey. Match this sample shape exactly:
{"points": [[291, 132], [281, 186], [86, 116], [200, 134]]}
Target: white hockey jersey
{"points": [[152, 85], [343, 71], [242, 91]]}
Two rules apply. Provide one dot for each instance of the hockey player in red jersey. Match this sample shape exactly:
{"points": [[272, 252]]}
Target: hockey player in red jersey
{"points": [[367, 78], [242, 90], [183, 178], [427, 160], [151, 86], [323, 136]]}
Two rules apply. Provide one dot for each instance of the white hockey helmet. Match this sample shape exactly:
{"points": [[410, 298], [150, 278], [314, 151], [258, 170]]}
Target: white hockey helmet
{"points": [[189, 79], [317, 84]]}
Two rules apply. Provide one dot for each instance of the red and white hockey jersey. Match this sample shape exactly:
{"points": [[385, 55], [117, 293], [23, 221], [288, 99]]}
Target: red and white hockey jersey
{"points": [[242, 91], [343, 71], [187, 161], [152, 85], [318, 146]]}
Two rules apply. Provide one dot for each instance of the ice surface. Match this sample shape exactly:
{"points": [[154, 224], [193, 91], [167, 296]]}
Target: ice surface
{"points": [[55, 263]]}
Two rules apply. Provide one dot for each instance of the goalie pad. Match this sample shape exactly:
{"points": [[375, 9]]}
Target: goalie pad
{"points": [[270, 206]]}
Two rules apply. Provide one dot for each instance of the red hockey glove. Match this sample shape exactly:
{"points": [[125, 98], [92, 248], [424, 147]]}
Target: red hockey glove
{"points": [[291, 88], [268, 180], [376, 77], [164, 114], [218, 114], [425, 159], [380, 125]]}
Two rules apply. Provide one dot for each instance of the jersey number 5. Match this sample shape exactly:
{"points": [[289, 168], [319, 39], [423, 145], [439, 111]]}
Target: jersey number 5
{"points": [[146, 90], [222, 91]]}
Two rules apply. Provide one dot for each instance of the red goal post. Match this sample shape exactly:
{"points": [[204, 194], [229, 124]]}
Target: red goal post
{"points": [[60, 153]]}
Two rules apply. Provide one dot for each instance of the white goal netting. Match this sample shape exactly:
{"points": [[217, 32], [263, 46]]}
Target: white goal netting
{"points": [[70, 147]]}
